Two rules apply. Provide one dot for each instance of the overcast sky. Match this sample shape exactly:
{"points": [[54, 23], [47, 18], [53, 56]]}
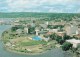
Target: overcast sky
{"points": [[54, 6]]}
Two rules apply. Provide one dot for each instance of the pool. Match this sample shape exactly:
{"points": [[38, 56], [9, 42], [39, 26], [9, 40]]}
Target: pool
{"points": [[37, 38]]}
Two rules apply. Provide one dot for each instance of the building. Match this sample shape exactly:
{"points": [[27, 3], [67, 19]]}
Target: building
{"points": [[46, 39], [37, 30], [74, 42], [71, 29], [19, 31], [53, 30], [43, 26], [61, 33], [26, 29], [47, 23]]}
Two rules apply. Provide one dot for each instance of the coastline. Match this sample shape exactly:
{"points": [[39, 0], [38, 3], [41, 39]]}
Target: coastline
{"points": [[23, 53]]}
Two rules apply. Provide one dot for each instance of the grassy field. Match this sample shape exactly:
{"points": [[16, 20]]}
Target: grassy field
{"points": [[31, 43]]}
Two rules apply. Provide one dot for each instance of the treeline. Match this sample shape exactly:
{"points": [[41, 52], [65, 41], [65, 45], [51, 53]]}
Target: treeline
{"points": [[65, 16]]}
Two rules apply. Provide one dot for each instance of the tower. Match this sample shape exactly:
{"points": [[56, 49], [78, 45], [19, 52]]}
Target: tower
{"points": [[37, 31], [26, 30]]}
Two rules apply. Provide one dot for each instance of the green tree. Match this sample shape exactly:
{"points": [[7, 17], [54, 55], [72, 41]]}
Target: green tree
{"points": [[61, 41], [14, 28], [66, 37], [66, 46], [53, 36], [31, 30]]}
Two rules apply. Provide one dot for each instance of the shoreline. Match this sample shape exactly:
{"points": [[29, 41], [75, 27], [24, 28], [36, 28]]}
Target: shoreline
{"points": [[23, 53], [17, 52]]}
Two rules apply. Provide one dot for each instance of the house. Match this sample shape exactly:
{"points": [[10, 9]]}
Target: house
{"points": [[78, 36], [32, 24], [16, 21], [53, 30], [74, 42], [19, 31], [49, 33], [61, 33], [43, 25], [46, 39]]}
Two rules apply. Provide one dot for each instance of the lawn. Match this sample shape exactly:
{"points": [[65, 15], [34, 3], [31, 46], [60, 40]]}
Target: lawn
{"points": [[31, 43]]}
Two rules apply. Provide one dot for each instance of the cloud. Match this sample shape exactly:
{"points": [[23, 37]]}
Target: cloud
{"points": [[22, 3], [56, 10], [40, 5]]}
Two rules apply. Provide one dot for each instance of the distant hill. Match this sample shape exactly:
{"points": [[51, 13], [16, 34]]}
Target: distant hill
{"points": [[38, 15]]}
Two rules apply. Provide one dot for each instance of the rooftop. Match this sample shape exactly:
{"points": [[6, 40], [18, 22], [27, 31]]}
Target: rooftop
{"points": [[73, 41]]}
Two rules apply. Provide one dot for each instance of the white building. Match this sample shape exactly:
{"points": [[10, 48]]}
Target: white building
{"points": [[47, 23], [53, 30], [37, 31], [26, 30], [74, 42]]}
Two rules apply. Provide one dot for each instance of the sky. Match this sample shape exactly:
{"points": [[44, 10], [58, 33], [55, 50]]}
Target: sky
{"points": [[52, 6]]}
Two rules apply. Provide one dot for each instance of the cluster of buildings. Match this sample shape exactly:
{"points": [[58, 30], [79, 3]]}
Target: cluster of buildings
{"points": [[70, 29], [6, 21]]}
